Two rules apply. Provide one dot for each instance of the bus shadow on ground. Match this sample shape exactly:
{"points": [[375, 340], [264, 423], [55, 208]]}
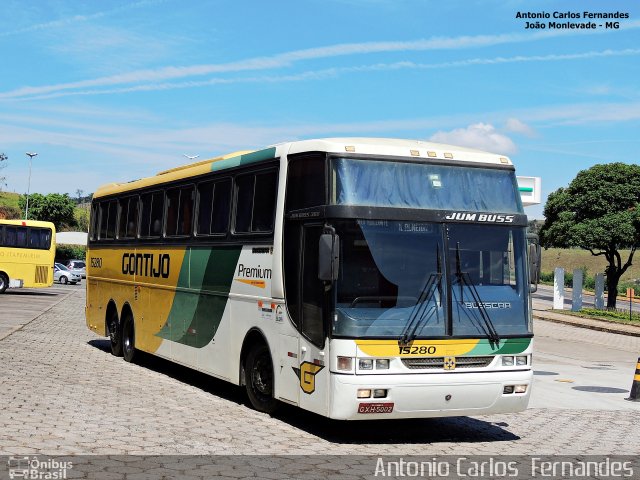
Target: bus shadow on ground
{"points": [[405, 431], [186, 375], [31, 293]]}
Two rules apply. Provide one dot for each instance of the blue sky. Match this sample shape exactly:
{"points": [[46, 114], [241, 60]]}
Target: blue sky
{"points": [[117, 90]]}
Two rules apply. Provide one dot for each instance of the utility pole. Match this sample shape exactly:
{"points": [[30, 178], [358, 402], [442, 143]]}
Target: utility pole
{"points": [[26, 210]]}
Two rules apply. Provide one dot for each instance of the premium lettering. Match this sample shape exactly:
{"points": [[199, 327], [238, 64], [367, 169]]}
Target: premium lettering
{"points": [[254, 272]]}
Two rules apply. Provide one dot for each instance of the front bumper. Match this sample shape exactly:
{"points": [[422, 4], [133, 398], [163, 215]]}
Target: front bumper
{"points": [[429, 395]]}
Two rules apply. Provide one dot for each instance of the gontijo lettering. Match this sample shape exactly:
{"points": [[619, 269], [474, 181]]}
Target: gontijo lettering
{"points": [[146, 264]]}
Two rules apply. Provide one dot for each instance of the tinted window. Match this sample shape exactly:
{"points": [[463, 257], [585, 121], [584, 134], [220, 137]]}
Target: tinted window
{"points": [[92, 221], [10, 236], [152, 209], [244, 203], [128, 217], [179, 211], [214, 205], [264, 202], [255, 202], [306, 183], [108, 214], [21, 237], [111, 223]]}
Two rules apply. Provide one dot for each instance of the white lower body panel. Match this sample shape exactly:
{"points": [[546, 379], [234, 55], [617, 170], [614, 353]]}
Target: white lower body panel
{"points": [[429, 395]]}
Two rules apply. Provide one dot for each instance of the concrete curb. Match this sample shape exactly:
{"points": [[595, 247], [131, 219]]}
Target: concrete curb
{"points": [[600, 325]]}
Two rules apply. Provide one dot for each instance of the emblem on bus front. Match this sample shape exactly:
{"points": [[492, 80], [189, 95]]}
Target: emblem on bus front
{"points": [[449, 363], [307, 375]]}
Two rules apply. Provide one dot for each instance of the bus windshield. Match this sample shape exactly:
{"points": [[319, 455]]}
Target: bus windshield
{"points": [[397, 277], [421, 185]]}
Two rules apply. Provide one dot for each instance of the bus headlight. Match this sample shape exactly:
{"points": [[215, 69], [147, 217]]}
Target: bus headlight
{"points": [[380, 393], [345, 364], [364, 393], [522, 360], [507, 361], [382, 364], [365, 364]]}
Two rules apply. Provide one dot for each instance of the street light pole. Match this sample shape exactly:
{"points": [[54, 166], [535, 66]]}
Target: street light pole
{"points": [[26, 210]]}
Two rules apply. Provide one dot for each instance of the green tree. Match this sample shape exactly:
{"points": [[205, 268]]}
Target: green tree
{"points": [[53, 207], [599, 211]]}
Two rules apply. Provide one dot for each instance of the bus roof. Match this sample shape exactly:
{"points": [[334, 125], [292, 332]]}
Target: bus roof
{"points": [[417, 149], [28, 223]]}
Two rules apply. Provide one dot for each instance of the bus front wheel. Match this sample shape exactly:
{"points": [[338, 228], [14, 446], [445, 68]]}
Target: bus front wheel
{"points": [[4, 282], [258, 370], [128, 338]]}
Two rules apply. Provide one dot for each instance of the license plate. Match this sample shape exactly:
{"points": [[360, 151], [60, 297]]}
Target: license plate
{"points": [[375, 408]]}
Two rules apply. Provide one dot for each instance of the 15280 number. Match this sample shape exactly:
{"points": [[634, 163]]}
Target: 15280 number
{"points": [[417, 350]]}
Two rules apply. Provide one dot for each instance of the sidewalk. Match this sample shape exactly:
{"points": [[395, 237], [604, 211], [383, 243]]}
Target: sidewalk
{"points": [[601, 325]]}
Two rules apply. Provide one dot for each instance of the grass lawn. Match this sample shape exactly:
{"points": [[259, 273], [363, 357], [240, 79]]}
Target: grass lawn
{"points": [[572, 258], [9, 199], [607, 316]]}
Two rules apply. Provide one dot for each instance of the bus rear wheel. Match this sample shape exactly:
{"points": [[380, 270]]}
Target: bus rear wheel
{"points": [[128, 338], [115, 334], [258, 371], [4, 282]]}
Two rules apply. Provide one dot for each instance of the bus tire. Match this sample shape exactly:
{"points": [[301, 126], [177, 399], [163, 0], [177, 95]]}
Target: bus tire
{"points": [[4, 282], [128, 338], [259, 382], [115, 333]]}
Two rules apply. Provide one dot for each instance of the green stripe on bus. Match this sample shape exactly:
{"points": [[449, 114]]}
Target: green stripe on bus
{"points": [[260, 155], [505, 347], [525, 189], [195, 317]]}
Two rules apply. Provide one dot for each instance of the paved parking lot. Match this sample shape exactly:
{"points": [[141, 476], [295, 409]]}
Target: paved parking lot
{"points": [[63, 393]]}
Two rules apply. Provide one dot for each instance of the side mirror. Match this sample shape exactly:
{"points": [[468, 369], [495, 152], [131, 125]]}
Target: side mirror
{"points": [[328, 257], [534, 261]]}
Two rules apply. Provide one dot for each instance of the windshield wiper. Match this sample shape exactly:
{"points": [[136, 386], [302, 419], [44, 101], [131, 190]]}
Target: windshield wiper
{"points": [[465, 280], [419, 315]]}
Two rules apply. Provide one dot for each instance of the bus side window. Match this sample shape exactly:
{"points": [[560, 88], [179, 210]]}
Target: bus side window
{"points": [[10, 236], [21, 237], [214, 205], [179, 211], [92, 221], [306, 183], [34, 238], [111, 222], [255, 202], [264, 202], [152, 209]]}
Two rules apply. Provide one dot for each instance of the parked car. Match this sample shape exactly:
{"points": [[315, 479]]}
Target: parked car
{"points": [[62, 274], [79, 265]]}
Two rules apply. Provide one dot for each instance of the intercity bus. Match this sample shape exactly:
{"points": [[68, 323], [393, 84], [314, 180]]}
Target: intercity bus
{"points": [[355, 278], [27, 253]]}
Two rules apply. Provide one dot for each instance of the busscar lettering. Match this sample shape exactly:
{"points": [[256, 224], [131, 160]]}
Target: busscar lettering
{"points": [[146, 264]]}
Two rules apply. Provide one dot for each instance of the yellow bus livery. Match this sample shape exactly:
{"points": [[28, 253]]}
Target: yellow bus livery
{"points": [[27, 253]]}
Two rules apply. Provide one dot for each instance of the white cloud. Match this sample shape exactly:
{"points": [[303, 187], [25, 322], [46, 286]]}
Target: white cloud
{"points": [[287, 59], [517, 126], [482, 136]]}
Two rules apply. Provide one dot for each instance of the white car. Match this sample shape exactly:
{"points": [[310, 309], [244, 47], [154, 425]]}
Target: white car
{"points": [[62, 274]]}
